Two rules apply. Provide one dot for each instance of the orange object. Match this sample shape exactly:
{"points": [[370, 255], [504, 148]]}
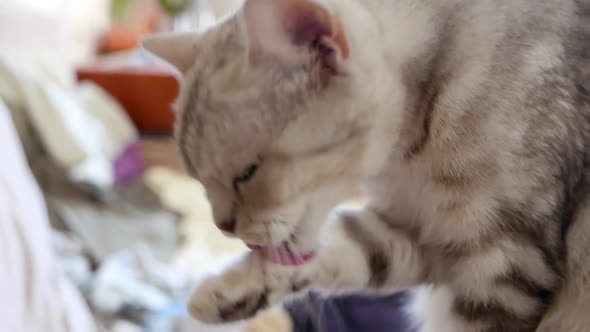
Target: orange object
{"points": [[146, 94], [121, 37]]}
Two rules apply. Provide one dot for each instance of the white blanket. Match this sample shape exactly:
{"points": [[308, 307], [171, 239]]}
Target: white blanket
{"points": [[34, 295]]}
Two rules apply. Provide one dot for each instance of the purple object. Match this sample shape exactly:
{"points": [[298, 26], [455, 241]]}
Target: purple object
{"points": [[352, 313], [129, 164]]}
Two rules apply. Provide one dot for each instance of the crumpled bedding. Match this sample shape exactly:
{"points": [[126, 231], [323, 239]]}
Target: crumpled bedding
{"points": [[82, 128]]}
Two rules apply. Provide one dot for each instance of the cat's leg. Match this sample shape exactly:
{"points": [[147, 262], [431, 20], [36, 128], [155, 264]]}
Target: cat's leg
{"points": [[360, 251], [503, 286], [570, 310]]}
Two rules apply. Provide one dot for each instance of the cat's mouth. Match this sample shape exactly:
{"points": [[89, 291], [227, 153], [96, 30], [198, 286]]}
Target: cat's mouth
{"points": [[295, 250], [284, 255]]}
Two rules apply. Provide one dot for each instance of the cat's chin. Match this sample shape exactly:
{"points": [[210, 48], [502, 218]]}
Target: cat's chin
{"points": [[284, 255]]}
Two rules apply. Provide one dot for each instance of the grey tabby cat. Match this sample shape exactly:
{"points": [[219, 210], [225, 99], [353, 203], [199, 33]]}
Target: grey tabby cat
{"points": [[466, 123]]}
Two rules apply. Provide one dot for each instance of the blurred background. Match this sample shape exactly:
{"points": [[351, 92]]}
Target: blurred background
{"points": [[100, 227]]}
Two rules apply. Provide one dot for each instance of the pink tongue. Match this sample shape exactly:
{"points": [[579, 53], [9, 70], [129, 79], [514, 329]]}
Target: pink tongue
{"points": [[283, 256]]}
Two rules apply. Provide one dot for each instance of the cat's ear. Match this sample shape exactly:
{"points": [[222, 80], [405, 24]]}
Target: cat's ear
{"points": [[178, 49], [294, 32]]}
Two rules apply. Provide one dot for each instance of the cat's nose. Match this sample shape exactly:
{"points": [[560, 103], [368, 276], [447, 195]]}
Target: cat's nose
{"points": [[228, 225]]}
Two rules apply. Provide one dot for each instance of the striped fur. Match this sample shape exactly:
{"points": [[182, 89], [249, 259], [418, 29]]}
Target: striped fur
{"points": [[467, 123]]}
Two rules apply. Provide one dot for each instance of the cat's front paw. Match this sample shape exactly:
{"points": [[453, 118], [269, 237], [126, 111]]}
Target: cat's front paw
{"points": [[273, 320], [236, 294]]}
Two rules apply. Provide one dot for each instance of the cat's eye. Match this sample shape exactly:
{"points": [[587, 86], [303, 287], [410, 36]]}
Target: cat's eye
{"points": [[247, 174]]}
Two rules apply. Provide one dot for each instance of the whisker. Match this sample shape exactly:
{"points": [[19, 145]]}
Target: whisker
{"points": [[292, 253], [268, 231], [282, 254]]}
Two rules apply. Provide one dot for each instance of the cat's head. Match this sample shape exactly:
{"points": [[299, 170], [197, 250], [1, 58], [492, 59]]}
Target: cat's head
{"points": [[273, 119]]}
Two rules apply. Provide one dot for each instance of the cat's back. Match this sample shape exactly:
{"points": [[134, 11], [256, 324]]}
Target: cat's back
{"points": [[578, 48]]}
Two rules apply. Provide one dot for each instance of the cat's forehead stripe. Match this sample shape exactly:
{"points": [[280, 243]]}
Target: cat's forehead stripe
{"points": [[189, 124]]}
